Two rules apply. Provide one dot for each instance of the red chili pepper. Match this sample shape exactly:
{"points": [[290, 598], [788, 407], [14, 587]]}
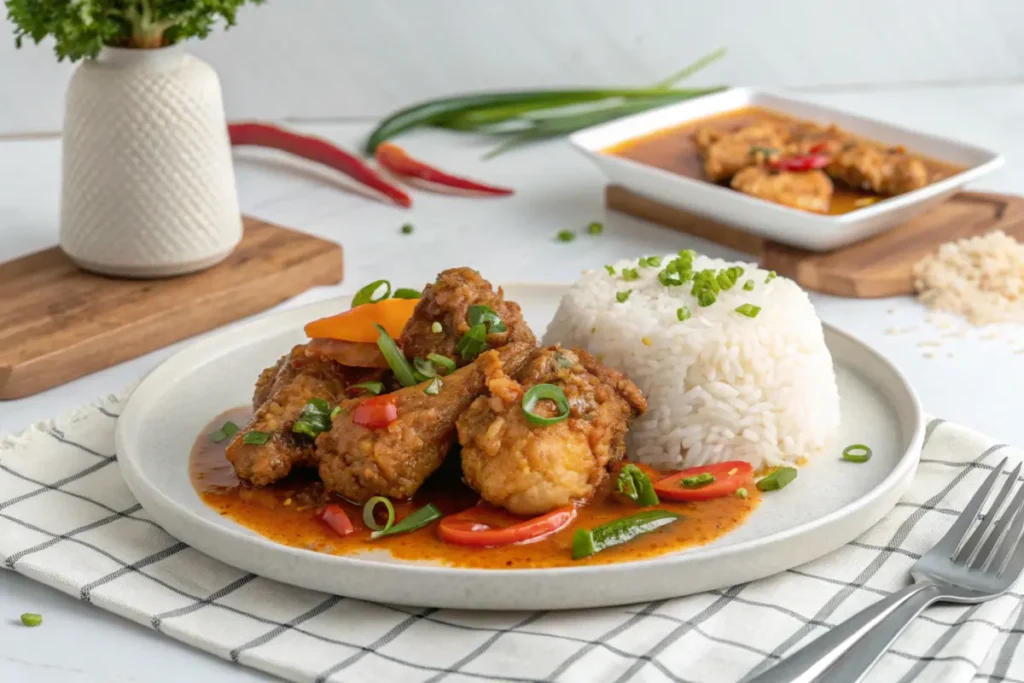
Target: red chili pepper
{"points": [[726, 478], [800, 162], [376, 413], [334, 517], [393, 158], [470, 527], [819, 148], [318, 150]]}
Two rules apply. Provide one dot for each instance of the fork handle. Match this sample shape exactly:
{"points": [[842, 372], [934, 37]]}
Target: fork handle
{"points": [[807, 664]]}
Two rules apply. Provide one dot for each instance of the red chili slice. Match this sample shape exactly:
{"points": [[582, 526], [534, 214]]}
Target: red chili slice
{"points": [[799, 162], [393, 158], [334, 517], [376, 413], [469, 528], [729, 476]]}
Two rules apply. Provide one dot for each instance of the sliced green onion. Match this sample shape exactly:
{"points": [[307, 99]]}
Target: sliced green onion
{"points": [[395, 358], [622, 296], [630, 274], [369, 387], [566, 235], [317, 406], [698, 481], [434, 388], [595, 228], [771, 276], [748, 310], [314, 419], [705, 298], [563, 361], [748, 285], [255, 438], [227, 430], [417, 520], [337, 410], [858, 452], [653, 261], [436, 327], [683, 313], [368, 518], [586, 542], [670, 277], [423, 369], [742, 493], [545, 392], [407, 229], [306, 428], [634, 483], [406, 293], [610, 269], [443, 362], [485, 314], [365, 295], [473, 342], [727, 277], [768, 151], [30, 619], [777, 479]]}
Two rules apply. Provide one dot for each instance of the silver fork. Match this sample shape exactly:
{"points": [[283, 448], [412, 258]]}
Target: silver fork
{"points": [[964, 566]]}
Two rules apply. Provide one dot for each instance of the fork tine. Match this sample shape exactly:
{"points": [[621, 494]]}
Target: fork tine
{"points": [[951, 541], [969, 553], [1009, 516], [1010, 542]]}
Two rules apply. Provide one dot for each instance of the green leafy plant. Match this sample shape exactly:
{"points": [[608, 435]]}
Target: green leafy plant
{"points": [[81, 28]]}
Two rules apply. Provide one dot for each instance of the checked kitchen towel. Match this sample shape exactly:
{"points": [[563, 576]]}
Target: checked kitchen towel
{"points": [[68, 520]]}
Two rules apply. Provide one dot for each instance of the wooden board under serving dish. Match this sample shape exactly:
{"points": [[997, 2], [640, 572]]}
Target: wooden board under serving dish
{"points": [[58, 323], [877, 267]]}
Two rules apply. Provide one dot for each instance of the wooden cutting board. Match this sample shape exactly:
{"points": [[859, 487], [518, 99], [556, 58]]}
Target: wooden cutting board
{"points": [[877, 267], [58, 323]]}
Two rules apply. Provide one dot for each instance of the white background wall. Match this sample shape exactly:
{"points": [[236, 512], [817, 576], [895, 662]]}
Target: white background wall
{"points": [[342, 58]]}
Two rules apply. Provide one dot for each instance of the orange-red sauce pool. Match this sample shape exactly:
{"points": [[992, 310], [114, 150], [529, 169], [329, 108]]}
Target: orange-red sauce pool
{"points": [[286, 513]]}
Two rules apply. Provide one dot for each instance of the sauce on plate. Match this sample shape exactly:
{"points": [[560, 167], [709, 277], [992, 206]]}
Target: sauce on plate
{"points": [[286, 513]]}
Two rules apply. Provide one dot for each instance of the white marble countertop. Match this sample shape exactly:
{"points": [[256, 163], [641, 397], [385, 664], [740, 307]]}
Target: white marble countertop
{"points": [[974, 379]]}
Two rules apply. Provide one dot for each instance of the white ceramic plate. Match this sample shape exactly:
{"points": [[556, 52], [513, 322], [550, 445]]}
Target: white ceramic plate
{"points": [[774, 221], [830, 503]]}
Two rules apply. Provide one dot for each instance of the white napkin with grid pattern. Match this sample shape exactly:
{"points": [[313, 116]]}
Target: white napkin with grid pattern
{"points": [[68, 520]]}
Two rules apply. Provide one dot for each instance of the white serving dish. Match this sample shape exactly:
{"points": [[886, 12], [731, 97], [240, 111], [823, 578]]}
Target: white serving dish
{"points": [[774, 221]]}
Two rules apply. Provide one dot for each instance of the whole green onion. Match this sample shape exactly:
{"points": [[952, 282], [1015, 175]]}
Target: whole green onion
{"points": [[368, 518], [545, 392], [417, 520], [395, 358]]}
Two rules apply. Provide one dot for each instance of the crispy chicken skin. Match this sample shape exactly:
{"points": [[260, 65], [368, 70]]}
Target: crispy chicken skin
{"points": [[358, 462], [447, 301], [885, 171], [282, 392], [727, 153], [530, 469], [806, 190]]}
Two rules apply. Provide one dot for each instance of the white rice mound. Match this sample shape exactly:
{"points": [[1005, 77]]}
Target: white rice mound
{"points": [[720, 385]]}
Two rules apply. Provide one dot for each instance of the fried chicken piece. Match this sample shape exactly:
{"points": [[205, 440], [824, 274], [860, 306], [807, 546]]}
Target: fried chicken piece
{"points": [[447, 301], [885, 171], [727, 153], [359, 462], [351, 354], [807, 136], [804, 190], [532, 469], [283, 392]]}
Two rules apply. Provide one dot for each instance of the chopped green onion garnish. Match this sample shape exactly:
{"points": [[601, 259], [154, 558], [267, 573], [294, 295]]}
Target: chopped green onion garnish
{"points": [[473, 342], [395, 358], [314, 419], [423, 369], [777, 479], [545, 392], [335, 412], [683, 313], [369, 387], [630, 274], [771, 276], [407, 229], [368, 510], [566, 235], [306, 428], [406, 293], [417, 520], [742, 493], [256, 438], [365, 295], [634, 483], [670, 277], [610, 269], [563, 361], [705, 298], [436, 327], [748, 285], [748, 310], [586, 542], [434, 388], [763, 150], [727, 277], [30, 619], [858, 452], [317, 406], [595, 228], [443, 362], [485, 314], [622, 296], [654, 261], [698, 480], [227, 430]]}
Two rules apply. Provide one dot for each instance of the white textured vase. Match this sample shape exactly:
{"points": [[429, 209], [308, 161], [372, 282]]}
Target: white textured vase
{"points": [[148, 187]]}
